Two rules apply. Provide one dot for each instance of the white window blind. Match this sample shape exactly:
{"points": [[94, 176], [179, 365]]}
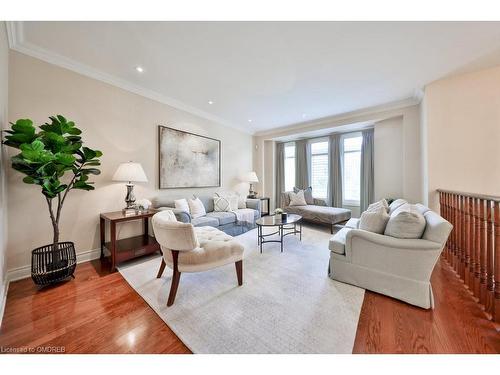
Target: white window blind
{"points": [[289, 166], [319, 168], [351, 168]]}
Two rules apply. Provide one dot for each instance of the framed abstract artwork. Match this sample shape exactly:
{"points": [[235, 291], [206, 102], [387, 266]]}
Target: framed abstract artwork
{"points": [[188, 160]]}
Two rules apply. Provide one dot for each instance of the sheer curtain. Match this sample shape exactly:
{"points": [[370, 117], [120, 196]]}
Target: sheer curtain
{"points": [[366, 170], [280, 172], [335, 173], [302, 162]]}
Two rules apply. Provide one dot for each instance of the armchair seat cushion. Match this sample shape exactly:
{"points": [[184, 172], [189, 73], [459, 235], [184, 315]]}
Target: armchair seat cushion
{"points": [[215, 249], [205, 221], [223, 217], [337, 241]]}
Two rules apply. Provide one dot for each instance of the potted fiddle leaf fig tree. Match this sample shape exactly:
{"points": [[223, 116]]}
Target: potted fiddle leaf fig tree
{"points": [[54, 159]]}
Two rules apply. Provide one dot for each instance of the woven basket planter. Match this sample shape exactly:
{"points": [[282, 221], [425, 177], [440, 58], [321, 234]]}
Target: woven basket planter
{"points": [[50, 266]]}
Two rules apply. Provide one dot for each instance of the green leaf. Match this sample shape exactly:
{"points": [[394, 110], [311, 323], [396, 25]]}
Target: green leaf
{"points": [[66, 159], [28, 180], [24, 126], [91, 171]]}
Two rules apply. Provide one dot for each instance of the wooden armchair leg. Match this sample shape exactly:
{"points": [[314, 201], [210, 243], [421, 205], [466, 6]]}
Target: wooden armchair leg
{"points": [[239, 272], [175, 279], [162, 268]]}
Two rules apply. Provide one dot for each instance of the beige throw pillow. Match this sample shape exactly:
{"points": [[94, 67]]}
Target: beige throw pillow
{"points": [[182, 204], [377, 205], [196, 208], [374, 220], [297, 199], [406, 222]]}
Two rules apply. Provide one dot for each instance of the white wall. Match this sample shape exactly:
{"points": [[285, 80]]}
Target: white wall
{"points": [[388, 158], [462, 134], [120, 124], [4, 76]]}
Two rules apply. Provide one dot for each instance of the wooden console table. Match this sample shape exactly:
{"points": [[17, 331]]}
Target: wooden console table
{"points": [[126, 248]]}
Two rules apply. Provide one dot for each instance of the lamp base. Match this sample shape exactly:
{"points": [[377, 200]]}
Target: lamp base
{"points": [[130, 197]]}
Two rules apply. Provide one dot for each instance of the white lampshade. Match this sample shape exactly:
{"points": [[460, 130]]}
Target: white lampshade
{"points": [[130, 172], [251, 177]]}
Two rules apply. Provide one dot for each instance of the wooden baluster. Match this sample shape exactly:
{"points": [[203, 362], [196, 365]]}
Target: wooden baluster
{"points": [[467, 241], [483, 251], [446, 216], [496, 271], [452, 235], [477, 249], [456, 257], [462, 238], [490, 281], [472, 243]]}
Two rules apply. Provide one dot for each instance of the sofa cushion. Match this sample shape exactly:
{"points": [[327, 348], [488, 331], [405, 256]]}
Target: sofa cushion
{"points": [[337, 241], [374, 220], [223, 217], [308, 194], [322, 214], [221, 204], [205, 221], [395, 204], [406, 222]]}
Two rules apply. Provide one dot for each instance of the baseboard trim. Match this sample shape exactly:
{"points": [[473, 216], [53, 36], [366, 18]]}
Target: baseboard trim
{"points": [[24, 272]]}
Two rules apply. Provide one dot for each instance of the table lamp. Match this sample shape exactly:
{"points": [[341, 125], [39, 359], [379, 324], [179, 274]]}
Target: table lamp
{"points": [[251, 177], [130, 172]]}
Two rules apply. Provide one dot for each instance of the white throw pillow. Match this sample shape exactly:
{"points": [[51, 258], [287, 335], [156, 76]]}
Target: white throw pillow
{"points": [[395, 204], [182, 204], [196, 208], [375, 206], [221, 204], [374, 220], [406, 222], [297, 199]]}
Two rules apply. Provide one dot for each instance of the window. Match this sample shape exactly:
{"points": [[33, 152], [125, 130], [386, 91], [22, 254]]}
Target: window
{"points": [[319, 168], [289, 166], [351, 168]]}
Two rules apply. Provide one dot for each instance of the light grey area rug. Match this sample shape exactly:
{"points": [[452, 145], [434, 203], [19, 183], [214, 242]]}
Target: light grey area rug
{"points": [[287, 303]]}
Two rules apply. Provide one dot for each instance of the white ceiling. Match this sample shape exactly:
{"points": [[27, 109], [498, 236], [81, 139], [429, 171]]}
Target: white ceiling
{"points": [[274, 73]]}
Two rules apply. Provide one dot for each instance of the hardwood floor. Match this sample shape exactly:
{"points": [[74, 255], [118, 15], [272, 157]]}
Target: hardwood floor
{"points": [[99, 312]]}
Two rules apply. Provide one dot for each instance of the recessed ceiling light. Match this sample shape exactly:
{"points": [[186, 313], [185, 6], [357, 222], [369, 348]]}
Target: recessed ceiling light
{"points": [[139, 69], [249, 120], [304, 115], [210, 102]]}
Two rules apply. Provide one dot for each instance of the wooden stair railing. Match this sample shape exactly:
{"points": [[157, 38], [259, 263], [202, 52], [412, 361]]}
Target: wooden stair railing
{"points": [[473, 248]]}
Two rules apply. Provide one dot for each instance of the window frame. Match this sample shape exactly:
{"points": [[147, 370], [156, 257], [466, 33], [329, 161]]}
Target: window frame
{"points": [[327, 153], [356, 134]]}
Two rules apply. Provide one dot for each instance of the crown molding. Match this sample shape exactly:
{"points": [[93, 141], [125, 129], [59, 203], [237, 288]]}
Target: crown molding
{"points": [[17, 43], [354, 116]]}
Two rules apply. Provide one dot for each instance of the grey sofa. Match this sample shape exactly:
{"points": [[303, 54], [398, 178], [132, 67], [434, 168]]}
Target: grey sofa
{"points": [[399, 268], [225, 221], [319, 212]]}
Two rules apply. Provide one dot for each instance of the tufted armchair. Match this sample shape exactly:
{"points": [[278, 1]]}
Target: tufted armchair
{"points": [[193, 249]]}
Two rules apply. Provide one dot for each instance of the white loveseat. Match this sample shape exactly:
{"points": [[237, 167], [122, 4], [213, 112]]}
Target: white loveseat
{"points": [[399, 268]]}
